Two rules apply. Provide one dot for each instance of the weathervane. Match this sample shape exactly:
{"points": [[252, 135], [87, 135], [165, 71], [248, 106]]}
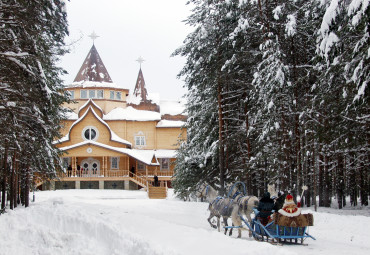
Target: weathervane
{"points": [[140, 60], [93, 36]]}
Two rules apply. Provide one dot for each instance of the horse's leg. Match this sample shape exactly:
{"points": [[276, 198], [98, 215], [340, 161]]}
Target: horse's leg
{"points": [[236, 220], [218, 223], [225, 224], [231, 230], [248, 215], [211, 215]]}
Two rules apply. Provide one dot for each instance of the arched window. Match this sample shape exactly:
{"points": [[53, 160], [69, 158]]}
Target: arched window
{"points": [[90, 133]]}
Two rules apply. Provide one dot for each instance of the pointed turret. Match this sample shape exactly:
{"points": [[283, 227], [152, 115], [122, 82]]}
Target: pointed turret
{"points": [[140, 99], [93, 68], [140, 89]]}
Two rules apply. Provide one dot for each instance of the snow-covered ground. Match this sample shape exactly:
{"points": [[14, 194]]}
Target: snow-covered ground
{"points": [[127, 222]]}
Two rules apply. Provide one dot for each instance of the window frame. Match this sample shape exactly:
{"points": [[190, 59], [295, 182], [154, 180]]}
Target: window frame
{"points": [[102, 93], [140, 166], [111, 163], [84, 91], [120, 95], [96, 133], [168, 164], [111, 94]]}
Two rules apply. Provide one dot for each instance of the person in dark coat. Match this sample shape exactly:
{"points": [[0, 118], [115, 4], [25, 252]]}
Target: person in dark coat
{"points": [[279, 201], [132, 171], [265, 207], [156, 181]]}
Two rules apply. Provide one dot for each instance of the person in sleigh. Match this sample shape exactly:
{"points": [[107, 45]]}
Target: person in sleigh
{"points": [[290, 209], [265, 207]]}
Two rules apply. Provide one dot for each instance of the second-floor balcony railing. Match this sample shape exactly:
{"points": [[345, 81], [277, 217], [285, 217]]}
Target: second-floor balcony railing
{"points": [[114, 173]]}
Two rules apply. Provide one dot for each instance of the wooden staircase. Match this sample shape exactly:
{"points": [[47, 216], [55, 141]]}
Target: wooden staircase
{"points": [[157, 192]]}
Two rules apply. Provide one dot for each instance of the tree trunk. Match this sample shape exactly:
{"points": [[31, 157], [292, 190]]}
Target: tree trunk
{"points": [[3, 198], [340, 182], [221, 140]]}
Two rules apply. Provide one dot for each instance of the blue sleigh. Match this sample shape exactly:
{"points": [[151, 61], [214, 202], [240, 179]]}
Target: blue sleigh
{"points": [[275, 233]]}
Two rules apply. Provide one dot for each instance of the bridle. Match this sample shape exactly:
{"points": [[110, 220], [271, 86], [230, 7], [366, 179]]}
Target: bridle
{"points": [[201, 192]]}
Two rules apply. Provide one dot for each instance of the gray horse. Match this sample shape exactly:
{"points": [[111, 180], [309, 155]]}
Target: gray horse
{"points": [[219, 206]]}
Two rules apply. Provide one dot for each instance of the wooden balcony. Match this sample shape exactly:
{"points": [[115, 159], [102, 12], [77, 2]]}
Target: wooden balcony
{"points": [[114, 173]]}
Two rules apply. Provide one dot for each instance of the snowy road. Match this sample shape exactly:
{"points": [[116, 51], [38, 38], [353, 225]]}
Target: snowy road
{"points": [[127, 222]]}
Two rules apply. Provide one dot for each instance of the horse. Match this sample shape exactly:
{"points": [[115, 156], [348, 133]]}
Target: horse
{"points": [[221, 206], [244, 206]]}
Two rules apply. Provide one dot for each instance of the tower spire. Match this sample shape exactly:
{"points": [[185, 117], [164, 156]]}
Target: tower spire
{"points": [[93, 68]]}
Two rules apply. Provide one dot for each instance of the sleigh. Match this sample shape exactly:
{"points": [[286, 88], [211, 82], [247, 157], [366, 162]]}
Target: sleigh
{"points": [[290, 232]]}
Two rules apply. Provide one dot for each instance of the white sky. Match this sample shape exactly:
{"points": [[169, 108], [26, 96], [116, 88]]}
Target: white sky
{"points": [[129, 29]]}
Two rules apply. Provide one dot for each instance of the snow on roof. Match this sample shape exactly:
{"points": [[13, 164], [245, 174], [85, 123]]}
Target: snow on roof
{"points": [[94, 84], [170, 123], [87, 102], [165, 153], [172, 107], [114, 136], [144, 156], [131, 113], [71, 116], [154, 97]]}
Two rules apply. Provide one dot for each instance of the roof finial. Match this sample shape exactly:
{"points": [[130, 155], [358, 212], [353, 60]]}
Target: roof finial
{"points": [[93, 36], [140, 60]]}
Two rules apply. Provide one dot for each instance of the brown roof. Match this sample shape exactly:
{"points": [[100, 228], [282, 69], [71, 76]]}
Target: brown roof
{"points": [[93, 68], [140, 89]]}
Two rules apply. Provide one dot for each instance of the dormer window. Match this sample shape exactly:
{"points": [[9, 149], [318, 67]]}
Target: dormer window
{"points": [[90, 133], [111, 95]]}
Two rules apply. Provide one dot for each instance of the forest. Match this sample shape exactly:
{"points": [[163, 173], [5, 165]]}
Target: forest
{"points": [[31, 94], [278, 94]]}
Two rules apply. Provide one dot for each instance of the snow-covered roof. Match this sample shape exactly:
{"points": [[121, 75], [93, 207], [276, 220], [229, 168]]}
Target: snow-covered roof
{"points": [[114, 136], [165, 153], [172, 107], [94, 84], [131, 113], [144, 156], [136, 99], [71, 116], [170, 123]]}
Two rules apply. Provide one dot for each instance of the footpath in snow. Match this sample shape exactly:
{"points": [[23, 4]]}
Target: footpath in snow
{"points": [[103, 222]]}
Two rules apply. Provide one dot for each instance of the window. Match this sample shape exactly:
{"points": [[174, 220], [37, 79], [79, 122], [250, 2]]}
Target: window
{"points": [[114, 163], [118, 95], [140, 166], [111, 95], [100, 94], [165, 163], [71, 94], [91, 93], [90, 133], [83, 93], [139, 140]]}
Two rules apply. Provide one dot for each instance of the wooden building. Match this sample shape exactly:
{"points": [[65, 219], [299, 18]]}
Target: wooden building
{"points": [[115, 139]]}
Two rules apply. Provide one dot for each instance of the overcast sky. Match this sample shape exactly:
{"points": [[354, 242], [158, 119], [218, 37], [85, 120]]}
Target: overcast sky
{"points": [[129, 29]]}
